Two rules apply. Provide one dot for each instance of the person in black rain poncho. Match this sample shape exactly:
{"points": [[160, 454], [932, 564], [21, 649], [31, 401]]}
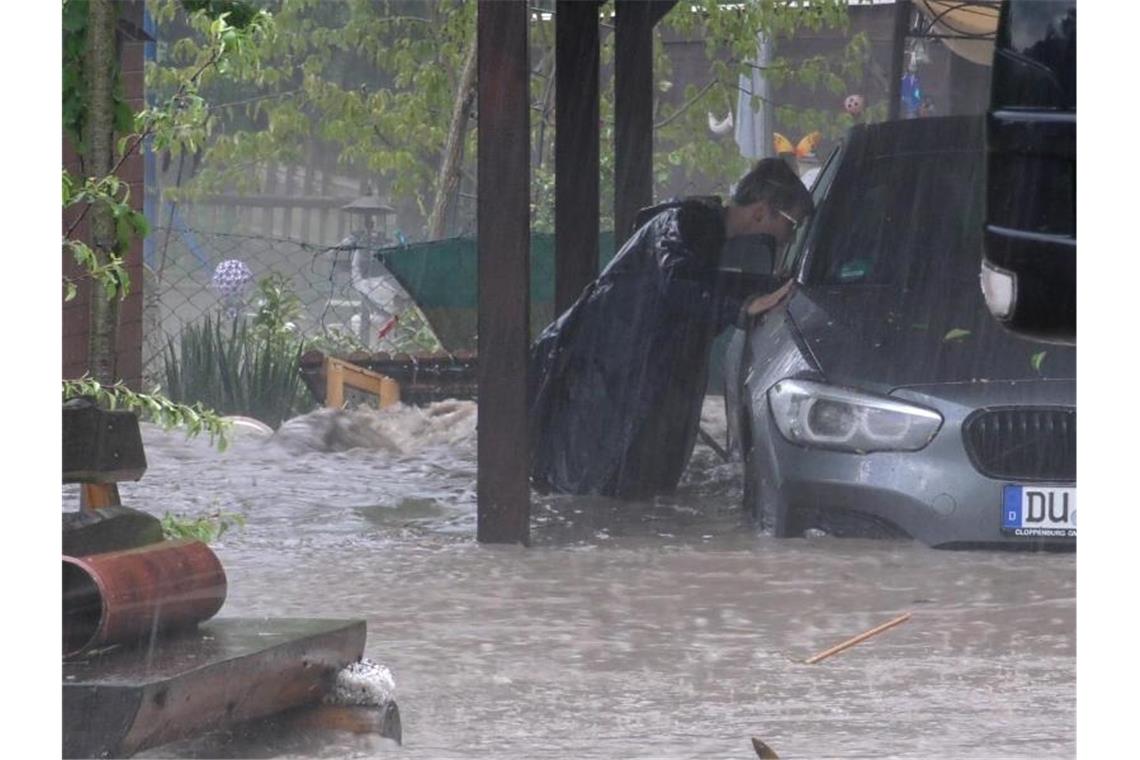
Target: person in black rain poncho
{"points": [[617, 381]]}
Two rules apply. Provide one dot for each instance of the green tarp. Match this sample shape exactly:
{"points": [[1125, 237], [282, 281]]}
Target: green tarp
{"points": [[442, 274]]}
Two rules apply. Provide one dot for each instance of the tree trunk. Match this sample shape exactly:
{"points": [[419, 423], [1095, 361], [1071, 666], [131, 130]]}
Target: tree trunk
{"points": [[449, 171], [100, 76]]}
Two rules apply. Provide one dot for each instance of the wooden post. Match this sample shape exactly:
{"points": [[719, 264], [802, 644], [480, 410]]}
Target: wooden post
{"points": [[633, 108], [94, 496], [633, 112], [503, 214], [576, 150], [902, 24]]}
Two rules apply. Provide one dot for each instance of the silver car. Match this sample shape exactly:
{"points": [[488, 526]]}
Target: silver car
{"points": [[882, 398]]}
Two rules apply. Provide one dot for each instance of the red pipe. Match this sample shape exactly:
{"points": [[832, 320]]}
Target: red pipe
{"points": [[121, 596]]}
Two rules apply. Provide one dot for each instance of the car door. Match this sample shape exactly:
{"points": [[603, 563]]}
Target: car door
{"points": [[789, 263]]}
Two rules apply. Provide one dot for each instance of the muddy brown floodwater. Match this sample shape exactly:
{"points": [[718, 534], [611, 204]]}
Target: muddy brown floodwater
{"points": [[667, 629]]}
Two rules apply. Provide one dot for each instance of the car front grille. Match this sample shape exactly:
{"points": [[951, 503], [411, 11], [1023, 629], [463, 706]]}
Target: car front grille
{"points": [[1023, 443]]}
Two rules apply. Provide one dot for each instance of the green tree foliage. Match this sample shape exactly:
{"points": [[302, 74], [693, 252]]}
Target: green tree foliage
{"points": [[376, 82], [730, 33], [313, 85]]}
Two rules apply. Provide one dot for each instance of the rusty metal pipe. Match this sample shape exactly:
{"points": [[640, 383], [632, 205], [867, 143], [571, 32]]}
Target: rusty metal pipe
{"points": [[122, 596]]}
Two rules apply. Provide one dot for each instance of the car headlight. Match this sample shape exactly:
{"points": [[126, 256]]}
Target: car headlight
{"points": [[815, 414]]}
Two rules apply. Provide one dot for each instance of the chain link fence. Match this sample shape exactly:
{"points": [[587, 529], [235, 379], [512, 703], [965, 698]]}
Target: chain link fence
{"points": [[348, 299]]}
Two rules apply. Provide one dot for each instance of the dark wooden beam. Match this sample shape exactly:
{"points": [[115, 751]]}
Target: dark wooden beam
{"points": [[503, 211], [576, 149], [660, 8], [898, 66], [633, 108]]}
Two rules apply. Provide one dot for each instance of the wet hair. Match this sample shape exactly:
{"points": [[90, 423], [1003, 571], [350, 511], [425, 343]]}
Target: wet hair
{"points": [[773, 181]]}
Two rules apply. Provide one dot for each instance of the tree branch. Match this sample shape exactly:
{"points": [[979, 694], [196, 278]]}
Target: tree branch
{"points": [[685, 106]]}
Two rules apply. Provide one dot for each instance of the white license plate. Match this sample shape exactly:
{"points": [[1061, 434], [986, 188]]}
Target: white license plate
{"points": [[1039, 511]]}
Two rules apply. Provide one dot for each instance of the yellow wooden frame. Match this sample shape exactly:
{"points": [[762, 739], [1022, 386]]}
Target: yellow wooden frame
{"points": [[339, 373]]}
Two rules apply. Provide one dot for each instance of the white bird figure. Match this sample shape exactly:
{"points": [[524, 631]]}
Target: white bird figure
{"points": [[384, 297], [720, 127]]}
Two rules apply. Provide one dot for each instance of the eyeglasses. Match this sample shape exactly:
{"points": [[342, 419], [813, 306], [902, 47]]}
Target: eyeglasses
{"points": [[791, 220]]}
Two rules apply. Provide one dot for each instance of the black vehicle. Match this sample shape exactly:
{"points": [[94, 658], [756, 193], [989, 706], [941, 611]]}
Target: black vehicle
{"points": [[1029, 270], [883, 399]]}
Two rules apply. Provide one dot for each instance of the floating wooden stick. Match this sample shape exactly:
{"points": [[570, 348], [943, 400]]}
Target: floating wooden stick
{"points": [[857, 639]]}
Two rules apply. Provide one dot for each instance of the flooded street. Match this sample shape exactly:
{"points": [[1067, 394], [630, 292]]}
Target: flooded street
{"points": [[660, 630]]}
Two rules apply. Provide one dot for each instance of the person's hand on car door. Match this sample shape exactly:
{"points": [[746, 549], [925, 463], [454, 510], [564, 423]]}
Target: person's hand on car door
{"points": [[768, 301]]}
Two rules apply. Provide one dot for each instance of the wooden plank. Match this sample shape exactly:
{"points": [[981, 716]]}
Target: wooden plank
{"points": [[227, 671], [419, 380], [503, 214], [334, 385], [576, 150]]}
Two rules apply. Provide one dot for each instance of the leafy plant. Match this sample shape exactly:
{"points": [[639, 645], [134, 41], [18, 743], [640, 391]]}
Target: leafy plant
{"points": [[248, 367], [235, 371], [278, 309], [205, 528], [115, 194]]}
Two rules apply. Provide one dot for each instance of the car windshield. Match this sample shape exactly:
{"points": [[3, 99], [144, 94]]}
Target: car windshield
{"points": [[912, 221]]}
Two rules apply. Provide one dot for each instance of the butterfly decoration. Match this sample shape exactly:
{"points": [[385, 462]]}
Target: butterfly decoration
{"points": [[805, 147]]}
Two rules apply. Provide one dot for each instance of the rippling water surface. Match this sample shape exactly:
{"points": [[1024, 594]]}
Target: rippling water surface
{"points": [[659, 630]]}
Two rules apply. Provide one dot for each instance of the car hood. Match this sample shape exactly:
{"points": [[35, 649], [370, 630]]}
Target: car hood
{"points": [[878, 337]]}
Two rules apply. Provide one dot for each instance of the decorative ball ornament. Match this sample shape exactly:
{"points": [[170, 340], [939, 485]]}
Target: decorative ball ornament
{"points": [[231, 279], [853, 104]]}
